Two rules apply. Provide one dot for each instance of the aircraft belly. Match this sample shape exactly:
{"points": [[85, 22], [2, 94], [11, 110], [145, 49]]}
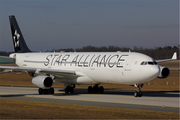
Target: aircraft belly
{"points": [[105, 75], [80, 80]]}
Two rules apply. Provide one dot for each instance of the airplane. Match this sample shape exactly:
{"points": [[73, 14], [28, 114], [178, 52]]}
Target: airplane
{"points": [[77, 68]]}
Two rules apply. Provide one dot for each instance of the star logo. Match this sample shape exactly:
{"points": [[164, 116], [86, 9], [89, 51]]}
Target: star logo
{"points": [[16, 38]]}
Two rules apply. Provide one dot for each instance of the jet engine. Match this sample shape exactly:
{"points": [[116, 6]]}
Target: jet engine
{"points": [[164, 72], [43, 81]]}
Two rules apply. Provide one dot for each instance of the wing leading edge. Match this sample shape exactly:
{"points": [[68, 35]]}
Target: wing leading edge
{"points": [[67, 74], [174, 57]]}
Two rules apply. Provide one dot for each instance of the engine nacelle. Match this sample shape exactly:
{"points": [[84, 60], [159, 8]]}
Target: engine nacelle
{"points": [[44, 82], [164, 72]]}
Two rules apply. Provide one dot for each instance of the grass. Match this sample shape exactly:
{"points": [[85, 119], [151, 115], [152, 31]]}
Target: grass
{"points": [[19, 109], [5, 60]]}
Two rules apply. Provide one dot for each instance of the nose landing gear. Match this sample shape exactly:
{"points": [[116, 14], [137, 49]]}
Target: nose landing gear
{"points": [[138, 92]]}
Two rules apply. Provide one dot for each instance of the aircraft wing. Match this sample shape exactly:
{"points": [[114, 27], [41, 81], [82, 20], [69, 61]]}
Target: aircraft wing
{"points": [[174, 57], [6, 57], [67, 74], [178, 69]]}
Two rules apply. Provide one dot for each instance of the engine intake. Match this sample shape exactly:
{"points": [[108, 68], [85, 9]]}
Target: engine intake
{"points": [[164, 72], [43, 81]]}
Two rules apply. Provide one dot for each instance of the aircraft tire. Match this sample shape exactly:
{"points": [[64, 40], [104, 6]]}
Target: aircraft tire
{"points": [[67, 90], [101, 89], [95, 89], [140, 94], [90, 89], [71, 89], [136, 94], [40, 91], [51, 90], [45, 91]]}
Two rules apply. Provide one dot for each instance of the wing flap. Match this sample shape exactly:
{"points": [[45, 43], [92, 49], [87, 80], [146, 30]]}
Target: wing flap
{"points": [[67, 74], [16, 69], [6, 57]]}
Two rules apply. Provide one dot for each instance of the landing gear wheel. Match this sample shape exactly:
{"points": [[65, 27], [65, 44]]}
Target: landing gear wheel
{"points": [[45, 91], [137, 94], [69, 89], [40, 91], [51, 90], [140, 94], [101, 89], [95, 89], [90, 89]]}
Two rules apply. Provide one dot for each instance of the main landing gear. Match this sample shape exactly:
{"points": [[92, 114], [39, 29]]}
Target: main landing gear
{"points": [[69, 89], [96, 89], [46, 91], [138, 92]]}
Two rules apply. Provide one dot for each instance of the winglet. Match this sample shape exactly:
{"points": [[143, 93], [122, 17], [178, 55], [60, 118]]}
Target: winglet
{"points": [[174, 56]]}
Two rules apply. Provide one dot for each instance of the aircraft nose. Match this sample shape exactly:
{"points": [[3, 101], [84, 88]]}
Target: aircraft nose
{"points": [[150, 73], [154, 71]]}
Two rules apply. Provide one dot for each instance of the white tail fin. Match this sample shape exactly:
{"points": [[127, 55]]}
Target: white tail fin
{"points": [[174, 56]]}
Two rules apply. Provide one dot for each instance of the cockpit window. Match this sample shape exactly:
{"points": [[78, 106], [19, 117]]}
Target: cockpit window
{"points": [[148, 63], [142, 63], [155, 62]]}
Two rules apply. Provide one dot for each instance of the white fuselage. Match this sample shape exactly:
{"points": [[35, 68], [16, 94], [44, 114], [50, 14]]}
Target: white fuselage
{"points": [[95, 68]]}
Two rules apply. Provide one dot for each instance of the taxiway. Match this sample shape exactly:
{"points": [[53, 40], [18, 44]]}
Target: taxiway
{"points": [[155, 101]]}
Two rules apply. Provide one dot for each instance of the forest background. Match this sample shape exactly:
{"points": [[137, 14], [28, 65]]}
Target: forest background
{"points": [[157, 52]]}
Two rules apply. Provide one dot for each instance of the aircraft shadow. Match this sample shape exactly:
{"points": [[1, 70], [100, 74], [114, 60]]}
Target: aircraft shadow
{"points": [[15, 95], [106, 92], [127, 93]]}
